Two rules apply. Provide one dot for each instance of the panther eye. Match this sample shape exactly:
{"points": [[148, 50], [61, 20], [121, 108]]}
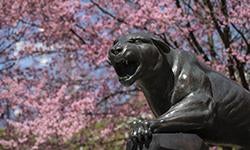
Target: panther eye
{"points": [[135, 41], [115, 42], [138, 40]]}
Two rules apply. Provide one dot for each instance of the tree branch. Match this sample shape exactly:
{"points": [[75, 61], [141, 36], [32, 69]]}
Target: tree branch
{"points": [[78, 36], [197, 45], [7, 65], [239, 65], [114, 94], [108, 13], [243, 37], [225, 36], [114, 17], [192, 36], [240, 68], [210, 7]]}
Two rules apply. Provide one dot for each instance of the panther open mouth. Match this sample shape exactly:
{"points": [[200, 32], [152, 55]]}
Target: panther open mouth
{"points": [[126, 68]]}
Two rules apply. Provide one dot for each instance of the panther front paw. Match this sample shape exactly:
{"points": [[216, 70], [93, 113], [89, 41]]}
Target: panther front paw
{"points": [[141, 132]]}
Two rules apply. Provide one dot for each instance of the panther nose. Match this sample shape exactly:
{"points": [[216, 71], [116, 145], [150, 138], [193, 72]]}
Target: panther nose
{"points": [[116, 50]]}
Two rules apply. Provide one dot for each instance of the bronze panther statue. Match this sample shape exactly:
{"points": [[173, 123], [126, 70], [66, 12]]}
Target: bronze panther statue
{"points": [[184, 94]]}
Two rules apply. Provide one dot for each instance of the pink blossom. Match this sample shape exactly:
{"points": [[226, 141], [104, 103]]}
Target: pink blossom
{"points": [[77, 88]]}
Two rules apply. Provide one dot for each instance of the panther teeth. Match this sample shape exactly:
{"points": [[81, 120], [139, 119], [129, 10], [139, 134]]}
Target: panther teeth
{"points": [[125, 77]]}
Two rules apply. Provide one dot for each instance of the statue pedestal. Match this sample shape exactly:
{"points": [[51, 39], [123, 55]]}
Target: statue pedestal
{"points": [[174, 141]]}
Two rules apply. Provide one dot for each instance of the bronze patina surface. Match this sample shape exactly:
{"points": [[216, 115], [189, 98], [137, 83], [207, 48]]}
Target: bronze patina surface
{"points": [[184, 94]]}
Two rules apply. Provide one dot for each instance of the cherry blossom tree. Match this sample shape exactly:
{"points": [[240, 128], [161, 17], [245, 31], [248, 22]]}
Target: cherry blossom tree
{"points": [[57, 84]]}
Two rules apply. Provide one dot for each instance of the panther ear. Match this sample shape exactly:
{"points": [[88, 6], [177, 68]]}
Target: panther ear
{"points": [[161, 45]]}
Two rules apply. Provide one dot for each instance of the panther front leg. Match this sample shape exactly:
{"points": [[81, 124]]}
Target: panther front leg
{"points": [[195, 111]]}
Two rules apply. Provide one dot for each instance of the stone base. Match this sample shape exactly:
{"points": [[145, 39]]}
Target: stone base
{"points": [[173, 141]]}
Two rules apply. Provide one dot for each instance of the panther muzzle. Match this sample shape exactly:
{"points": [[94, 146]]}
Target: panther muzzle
{"points": [[126, 64]]}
